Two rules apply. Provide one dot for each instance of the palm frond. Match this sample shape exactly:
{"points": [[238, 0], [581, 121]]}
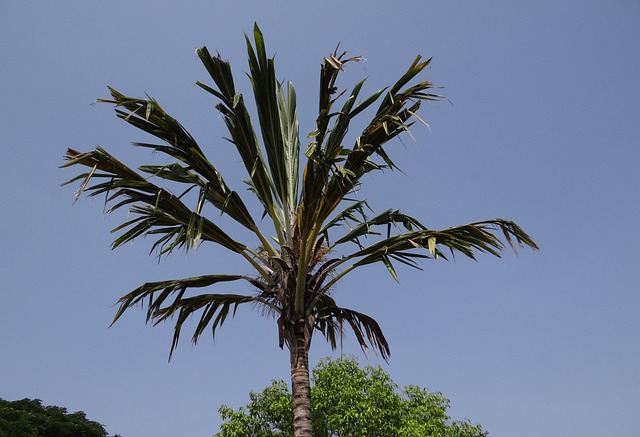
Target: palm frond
{"points": [[333, 172], [291, 140], [158, 212], [147, 115], [296, 274], [387, 219], [468, 240], [353, 213], [243, 137], [278, 121], [330, 320], [166, 298], [321, 156], [391, 120]]}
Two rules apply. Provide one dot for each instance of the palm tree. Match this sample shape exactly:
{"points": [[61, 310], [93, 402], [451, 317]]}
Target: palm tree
{"points": [[320, 232]]}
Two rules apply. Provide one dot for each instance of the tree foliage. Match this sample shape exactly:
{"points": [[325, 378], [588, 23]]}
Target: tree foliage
{"points": [[29, 418], [317, 228], [322, 232], [348, 401]]}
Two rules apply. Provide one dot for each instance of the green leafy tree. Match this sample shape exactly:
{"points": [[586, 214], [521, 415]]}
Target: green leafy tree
{"points": [[315, 231], [29, 418], [348, 401]]}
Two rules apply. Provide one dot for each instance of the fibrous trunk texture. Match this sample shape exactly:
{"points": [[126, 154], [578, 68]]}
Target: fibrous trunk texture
{"points": [[300, 387]]}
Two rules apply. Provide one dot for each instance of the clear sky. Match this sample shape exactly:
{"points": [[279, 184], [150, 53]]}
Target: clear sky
{"points": [[542, 129]]}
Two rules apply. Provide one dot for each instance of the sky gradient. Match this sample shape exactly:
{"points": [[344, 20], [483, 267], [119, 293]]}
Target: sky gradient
{"points": [[540, 126]]}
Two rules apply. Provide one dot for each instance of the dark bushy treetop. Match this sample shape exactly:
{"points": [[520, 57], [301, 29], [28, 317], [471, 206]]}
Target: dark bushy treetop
{"points": [[29, 418], [348, 401]]}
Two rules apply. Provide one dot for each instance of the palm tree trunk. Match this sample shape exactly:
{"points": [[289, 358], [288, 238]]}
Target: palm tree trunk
{"points": [[299, 340]]}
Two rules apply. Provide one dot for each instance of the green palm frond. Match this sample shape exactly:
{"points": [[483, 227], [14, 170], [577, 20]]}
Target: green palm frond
{"points": [[332, 171], [353, 213], [388, 219], [391, 120], [157, 211], [243, 137], [330, 320], [321, 156], [313, 214], [468, 240], [291, 142], [147, 115], [166, 298], [278, 121]]}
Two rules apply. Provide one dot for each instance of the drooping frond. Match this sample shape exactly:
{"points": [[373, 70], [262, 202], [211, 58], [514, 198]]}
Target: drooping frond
{"points": [[330, 320], [158, 212], [468, 240], [165, 299], [191, 166]]}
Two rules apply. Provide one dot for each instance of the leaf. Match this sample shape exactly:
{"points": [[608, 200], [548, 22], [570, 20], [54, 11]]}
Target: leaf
{"points": [[431, 241], [296, 268], [157, 211], [238, 122], [159, 311], [331, 318]]}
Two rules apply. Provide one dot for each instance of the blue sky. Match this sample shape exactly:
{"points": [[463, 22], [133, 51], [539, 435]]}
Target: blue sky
{"points": [[542, 129]]}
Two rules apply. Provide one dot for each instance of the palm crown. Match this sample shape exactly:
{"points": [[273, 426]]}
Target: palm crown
{"points": [[321, 234]]}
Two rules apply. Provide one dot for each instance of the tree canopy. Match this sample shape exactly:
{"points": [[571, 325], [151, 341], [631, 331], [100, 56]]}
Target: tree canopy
{"points": [[348, 401], [29, 418], [316, 228]]}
